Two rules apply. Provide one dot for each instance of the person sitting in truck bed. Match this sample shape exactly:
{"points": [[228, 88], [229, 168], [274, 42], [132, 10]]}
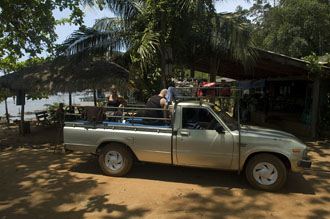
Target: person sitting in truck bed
{"points": [[156, 101], [115, 100]]}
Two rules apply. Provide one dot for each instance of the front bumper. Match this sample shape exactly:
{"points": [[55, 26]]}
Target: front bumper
{"points": [[305, 163]]}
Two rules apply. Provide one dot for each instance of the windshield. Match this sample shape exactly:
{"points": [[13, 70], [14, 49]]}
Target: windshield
{"points": [[230, 121]]}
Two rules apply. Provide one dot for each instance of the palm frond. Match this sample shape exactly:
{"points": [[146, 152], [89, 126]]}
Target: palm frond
{"points": [[109, 24], [88, 3], [198, 7], [126, 9], [150, 44], [91, 41], [231, 37]]}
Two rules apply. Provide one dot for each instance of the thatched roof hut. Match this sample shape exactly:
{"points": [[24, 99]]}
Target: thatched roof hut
{"points": [[67, 78]]}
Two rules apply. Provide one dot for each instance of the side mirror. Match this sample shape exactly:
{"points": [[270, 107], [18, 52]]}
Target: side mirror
{"points": [[220, 129]]}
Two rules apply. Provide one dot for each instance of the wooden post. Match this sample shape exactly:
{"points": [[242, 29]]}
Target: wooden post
{"points": [[70, 99], [192, 72], [315, 105], [21, 101], [94, 97], [22, 121], [7, 113]]}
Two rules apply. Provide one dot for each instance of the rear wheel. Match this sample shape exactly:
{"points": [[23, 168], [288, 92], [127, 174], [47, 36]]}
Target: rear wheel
{"points": [[266, 172], [115, 160]]}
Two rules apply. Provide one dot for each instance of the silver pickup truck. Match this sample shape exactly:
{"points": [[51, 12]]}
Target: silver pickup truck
{"points": [[198, 135]]}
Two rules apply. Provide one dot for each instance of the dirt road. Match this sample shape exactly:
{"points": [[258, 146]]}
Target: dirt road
{"points": [[35, 182]]}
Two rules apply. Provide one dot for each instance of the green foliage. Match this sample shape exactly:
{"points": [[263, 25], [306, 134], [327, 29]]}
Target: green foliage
{"points": [[313, 64], [315, 68], [10, 64], [36, 95], [157, 33], [293, 27], [4, 94], [325, 59], [52, 107], [28, 27]]}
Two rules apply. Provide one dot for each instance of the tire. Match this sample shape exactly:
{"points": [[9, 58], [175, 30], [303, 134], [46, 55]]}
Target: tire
{"points": [[266, 172], [115, 160]]}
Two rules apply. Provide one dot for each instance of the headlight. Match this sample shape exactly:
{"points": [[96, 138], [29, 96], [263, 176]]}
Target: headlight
{"points": [[305, 153]]}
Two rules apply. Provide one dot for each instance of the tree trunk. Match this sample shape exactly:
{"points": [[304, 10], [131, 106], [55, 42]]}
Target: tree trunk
{"points": [[7, 114], [168, 61], [163, 66], [163, 49], [315, 105], [214, 68]]}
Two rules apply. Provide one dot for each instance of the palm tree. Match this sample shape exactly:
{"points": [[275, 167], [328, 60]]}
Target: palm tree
{"points": [[153, 32]]}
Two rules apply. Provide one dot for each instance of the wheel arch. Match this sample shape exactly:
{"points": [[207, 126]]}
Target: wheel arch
{"points": [[103, 144], [282, 157]]}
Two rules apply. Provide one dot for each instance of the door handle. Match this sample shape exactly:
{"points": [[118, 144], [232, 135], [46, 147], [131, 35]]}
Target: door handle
{"points": [[184, 133]]}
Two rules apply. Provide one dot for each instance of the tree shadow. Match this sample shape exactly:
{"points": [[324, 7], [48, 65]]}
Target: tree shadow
{"points": [[43, 184], [36, 184]]}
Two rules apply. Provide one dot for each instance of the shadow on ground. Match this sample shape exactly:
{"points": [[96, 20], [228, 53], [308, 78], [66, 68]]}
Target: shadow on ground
{"points": [[41, 184], [38, 185]]}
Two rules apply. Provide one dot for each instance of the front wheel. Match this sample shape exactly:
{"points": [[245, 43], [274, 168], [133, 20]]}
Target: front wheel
{"points": [[115, 160], [266, 172]]}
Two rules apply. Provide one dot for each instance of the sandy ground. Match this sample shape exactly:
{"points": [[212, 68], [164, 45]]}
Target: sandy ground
{"points": [[36, 182]]}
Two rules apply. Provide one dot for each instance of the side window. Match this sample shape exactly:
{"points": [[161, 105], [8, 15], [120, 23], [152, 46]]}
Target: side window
{"points": [[197, 118]]}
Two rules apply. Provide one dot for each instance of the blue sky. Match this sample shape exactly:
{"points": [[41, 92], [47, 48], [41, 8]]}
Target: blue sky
{"points": [[63, 31]]}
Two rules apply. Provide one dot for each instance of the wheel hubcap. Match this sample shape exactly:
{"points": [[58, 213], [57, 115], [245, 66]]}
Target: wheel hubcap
{"points": [[265, 173], [113, 160]]}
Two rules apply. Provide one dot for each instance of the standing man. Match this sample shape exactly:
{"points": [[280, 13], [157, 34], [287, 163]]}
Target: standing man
{"points": [[156, 101]]}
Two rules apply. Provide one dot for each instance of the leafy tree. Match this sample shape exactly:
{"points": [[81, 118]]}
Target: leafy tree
{"points": [[159, 34], [4, 94], [293, 27], [28, 27], [315, 68], [6, 65]]}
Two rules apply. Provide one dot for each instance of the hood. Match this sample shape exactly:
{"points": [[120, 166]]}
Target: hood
{"points": [[265, 132]]}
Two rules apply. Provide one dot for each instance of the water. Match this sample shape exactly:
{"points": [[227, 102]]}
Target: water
{"points": [[34, 105]]}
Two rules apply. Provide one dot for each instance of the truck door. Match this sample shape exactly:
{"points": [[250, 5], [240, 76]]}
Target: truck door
{"points": [[199, 144]]}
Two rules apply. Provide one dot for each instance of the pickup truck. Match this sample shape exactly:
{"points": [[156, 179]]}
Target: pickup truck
{"points": [[199, 134]]}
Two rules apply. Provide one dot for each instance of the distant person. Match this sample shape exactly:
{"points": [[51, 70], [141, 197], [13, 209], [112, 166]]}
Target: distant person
{"points": [[156, 101], [59, 114], [115, 100]]}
